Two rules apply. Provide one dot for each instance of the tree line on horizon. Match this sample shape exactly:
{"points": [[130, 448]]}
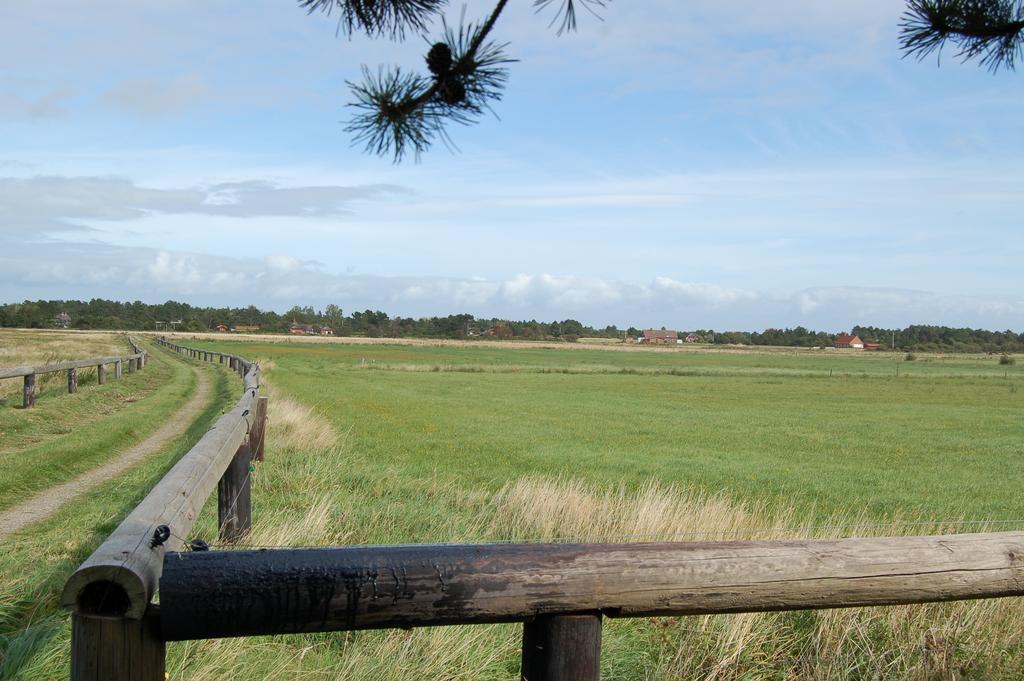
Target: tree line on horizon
{"points": [[137, 316]]}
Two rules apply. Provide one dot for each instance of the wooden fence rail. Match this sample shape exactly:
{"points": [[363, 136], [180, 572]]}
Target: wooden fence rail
{"points": [[560, 592], [29, 373], [249, 593], [111, 593]]}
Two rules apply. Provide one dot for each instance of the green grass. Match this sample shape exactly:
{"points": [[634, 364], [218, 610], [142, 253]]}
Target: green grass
{"points": [[528, 444], [867, 440], [431, 456], [715, 361], [65, 435], [35, 563]]}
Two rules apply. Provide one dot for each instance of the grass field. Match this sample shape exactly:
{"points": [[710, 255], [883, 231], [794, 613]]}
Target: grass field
{"points": [[863, 439], [389, 443], [475, 443], [41, 346], [35, 562], [65, 435], [527, 357], [20, 347]]}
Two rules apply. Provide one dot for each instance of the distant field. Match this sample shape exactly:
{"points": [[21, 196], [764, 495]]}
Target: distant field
{"points": [[937, 440], [37, 346], [495, 356], [40, 346]]}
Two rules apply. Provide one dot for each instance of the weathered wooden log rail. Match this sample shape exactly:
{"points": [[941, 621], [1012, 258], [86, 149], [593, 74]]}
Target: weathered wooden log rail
{"points": [[29, 373], [249, 593], [560, 592], [111, 593]]}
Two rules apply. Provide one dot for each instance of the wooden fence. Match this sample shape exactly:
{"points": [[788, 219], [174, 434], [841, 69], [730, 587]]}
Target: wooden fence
{"points": [[113, 634], [560, 592], [133, 362]]}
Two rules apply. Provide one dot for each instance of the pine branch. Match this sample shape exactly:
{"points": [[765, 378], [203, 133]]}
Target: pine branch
{"points": [[400, 112], [379, 18], [566, 15], [991, 31], [391, 121]]}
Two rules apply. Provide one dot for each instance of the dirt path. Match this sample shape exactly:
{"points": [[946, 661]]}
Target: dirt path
{"points": [[48, 502]]}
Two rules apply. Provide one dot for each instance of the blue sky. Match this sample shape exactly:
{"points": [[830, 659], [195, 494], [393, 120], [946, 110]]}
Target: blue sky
{"points": [[691, 164]]}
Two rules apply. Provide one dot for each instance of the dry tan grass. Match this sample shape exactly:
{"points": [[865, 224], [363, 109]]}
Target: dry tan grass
{"points": [[19, 347], [37, 346], [591, 370], [938, 641], [310, 512], [582, 344], [934, 641], [295, 426], [532, 509]]}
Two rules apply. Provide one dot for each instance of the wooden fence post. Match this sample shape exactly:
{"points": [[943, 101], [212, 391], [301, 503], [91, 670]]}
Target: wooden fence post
{"points": [[142, 360], [28, 397], [562, 648], [101, 374], [117, 369], [72, 380], [117, 649], [131, 365], [258, 432], [234, 497]]}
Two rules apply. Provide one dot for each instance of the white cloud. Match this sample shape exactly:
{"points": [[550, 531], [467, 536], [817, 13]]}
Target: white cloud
{"points": [[707, 294], [178, 272], [41, 205], [898, 307], [280, 281], [282, 263]]}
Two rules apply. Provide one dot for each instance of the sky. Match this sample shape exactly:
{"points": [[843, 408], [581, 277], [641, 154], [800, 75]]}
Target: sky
{"points": [[700, 164]]}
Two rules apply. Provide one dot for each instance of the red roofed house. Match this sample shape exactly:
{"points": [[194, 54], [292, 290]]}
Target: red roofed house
{"points": [[656, 337], [843, 341]]}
